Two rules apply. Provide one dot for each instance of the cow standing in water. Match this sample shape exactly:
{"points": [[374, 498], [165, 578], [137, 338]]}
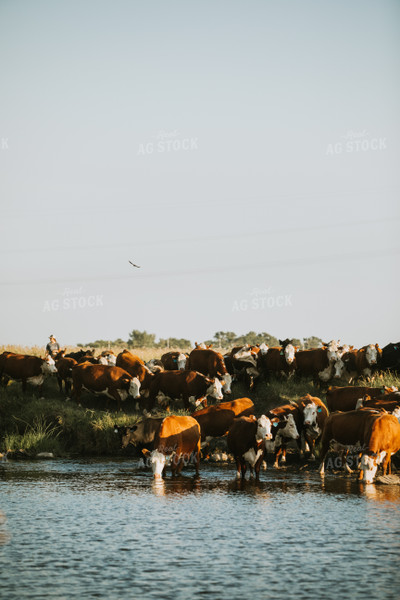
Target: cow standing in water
{"points": [[178, 438]]}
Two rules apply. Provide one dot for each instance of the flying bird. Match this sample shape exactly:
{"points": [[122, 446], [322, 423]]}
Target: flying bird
{"points": [[133, 265]]}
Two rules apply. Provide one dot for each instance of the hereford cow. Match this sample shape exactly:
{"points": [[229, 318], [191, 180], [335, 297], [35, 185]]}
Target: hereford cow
{"points": [[322, 364], [246, 441], [315, 414], [179, 438], [345, 398], [64, 366], [112, 382], [26, 368], [382, 441], [173, 361], [191, 386], [278, 360], [361, 363], [348, 429], [107, 357], [287, 423], [211, 364], [136, 367], [215, 421]]}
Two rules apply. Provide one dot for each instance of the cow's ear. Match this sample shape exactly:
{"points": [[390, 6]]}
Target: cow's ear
{"points": [[146, 452]]}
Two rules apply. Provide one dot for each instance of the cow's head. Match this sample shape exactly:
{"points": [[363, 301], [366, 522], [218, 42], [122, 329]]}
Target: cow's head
{"points": [[332, 351], [289, 353], [134, 388], [157, 462], [49, 366], [264, 428], [181, 361], [215, 389], [369, 466], [226, 388], [371, 354], [310, 413], [289, 429], [263, 348], [338, 369]]}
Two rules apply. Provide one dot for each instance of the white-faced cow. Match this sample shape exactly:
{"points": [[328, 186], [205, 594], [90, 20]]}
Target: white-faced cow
{"points": [[211, 364], [113, 382], [26, 368], [246, 441], [179, 439]]}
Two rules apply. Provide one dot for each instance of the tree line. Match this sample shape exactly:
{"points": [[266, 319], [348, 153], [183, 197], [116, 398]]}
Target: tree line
{"points": [[221, 339]]}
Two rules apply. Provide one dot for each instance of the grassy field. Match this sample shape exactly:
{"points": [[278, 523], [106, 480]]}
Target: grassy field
{"points": [[29, 425]]}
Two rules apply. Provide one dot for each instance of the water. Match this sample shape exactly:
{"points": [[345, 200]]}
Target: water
{"points": [[104, 529]]}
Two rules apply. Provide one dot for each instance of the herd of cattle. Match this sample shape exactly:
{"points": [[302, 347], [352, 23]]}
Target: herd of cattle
{"points": [[364, 420]]}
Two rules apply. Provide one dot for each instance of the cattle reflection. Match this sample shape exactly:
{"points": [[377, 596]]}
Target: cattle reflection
{"points": [[5, 535], [381, 493]]}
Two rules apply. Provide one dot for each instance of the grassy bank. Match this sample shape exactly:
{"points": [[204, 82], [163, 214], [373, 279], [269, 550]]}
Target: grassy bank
{"points": [[29, 425]]}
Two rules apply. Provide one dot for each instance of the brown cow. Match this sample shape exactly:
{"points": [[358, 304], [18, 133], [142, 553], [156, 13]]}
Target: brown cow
{"points": [[64, 372], [348, 429], [188, 385], [174, 360], [246, 441], [387, 402], [382, 441], [361, 363], [26, 368], [215, 421], [114, 382], [345, 398], [315, 363], [178, 437], [136, 367], [278, 360], [211, 364]]}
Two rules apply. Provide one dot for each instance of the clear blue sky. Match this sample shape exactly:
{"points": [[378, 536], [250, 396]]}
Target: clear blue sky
{"points": [[244, 154]]}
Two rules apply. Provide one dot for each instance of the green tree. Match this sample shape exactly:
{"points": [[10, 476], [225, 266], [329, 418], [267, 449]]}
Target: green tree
{"points": [[141, 339], [312, 342]]}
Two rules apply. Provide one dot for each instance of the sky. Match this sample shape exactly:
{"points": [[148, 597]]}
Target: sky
{"points": [[244, 154]]}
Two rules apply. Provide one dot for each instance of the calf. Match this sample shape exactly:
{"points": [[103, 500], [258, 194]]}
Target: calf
{"points": [[246, 441], [188, 385], [179, 438], [113, 382], [381, 442]]}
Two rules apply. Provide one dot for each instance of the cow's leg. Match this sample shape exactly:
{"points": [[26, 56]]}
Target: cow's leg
{"points": [[278, 452], [324, 452], [59, 381], [244, 468], [238, 467], [258, 465], [114, 393]]}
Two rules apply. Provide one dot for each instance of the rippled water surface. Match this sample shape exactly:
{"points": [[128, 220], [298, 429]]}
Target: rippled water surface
{"points": [[104, 529]]}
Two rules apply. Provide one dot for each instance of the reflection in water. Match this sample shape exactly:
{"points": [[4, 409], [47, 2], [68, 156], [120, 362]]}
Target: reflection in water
{"points": [[5, 536], [107, 529]]}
